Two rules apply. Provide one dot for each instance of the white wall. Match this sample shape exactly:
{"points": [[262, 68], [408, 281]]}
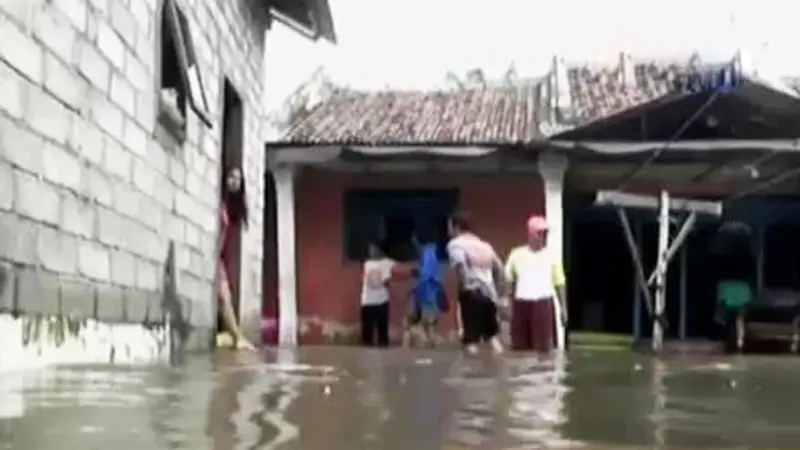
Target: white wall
{"points": [[90, 199]]}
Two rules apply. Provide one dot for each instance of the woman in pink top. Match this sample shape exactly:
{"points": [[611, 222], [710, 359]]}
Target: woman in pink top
{"points": [[232, 214]]}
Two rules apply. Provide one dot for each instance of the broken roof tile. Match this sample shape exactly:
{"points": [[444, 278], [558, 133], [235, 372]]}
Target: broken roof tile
{"points": [[597, 93], [495, 115], [524, 112]]}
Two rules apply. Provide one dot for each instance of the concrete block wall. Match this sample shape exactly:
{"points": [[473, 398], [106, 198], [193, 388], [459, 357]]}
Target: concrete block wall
{"points": [[91, 194]]}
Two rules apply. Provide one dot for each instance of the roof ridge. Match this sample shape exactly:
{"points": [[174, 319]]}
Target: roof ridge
{"points": [[439, 90]]}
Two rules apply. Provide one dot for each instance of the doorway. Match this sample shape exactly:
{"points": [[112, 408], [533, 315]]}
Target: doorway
{"points": [[270, 307], [600, 273], [232, 156], [700, 298]]}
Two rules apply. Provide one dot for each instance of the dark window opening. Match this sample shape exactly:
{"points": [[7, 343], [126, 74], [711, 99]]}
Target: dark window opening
{"points": [[394, 219], [398, 237], [181, 83]]}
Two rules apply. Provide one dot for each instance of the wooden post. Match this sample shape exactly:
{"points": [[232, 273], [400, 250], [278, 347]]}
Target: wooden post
{"points": [[684, 293], [661, 276], [637, 295], [674, 246], [664, 204], [637, 260], [761, 240]]}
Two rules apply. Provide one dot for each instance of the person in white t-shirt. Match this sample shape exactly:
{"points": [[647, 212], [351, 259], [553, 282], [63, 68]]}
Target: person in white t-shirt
{"points": [[377, 273], [479, 272], [537, 280]]}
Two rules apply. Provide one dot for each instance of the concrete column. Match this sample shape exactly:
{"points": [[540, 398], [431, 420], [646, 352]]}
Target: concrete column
{"points": [[552, 168], [287, 259]]}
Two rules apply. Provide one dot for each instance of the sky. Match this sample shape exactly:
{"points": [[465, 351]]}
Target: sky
{"points": [[414, 43]]}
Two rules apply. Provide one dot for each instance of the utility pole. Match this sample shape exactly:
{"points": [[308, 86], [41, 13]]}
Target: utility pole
{"points": [[661, 271]]}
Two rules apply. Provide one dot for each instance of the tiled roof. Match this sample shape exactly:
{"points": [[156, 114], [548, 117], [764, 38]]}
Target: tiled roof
{"points": [[597, 93], [565, 98], [793, 83], [494, 115]]}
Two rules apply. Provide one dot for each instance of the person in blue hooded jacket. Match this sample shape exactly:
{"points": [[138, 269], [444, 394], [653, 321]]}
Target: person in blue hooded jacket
{"points": [[427, 292]]}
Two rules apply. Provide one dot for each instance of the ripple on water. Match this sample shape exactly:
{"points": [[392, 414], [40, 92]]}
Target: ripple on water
{"points": [[353, 399], [64, 388]]}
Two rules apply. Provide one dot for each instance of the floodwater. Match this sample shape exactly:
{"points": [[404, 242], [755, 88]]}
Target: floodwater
{"points": [[350, 399]]}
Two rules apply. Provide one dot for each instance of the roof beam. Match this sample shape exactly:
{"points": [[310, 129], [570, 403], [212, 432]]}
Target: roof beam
{"points": [[624, 199]]}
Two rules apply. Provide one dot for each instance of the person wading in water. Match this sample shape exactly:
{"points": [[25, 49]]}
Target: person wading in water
{"points": [[377, 274], [734, 267], [232, 213], [537, 280], [479, 273], [427, 294]]}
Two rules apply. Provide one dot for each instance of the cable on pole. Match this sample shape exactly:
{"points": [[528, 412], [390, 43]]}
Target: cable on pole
{"points": [[675, 136]]}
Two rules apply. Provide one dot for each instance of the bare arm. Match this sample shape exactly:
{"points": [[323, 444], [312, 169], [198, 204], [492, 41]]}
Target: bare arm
{"points": [[510, 273], [561, 293], [560, 284], [458, 261], [501, 281]]}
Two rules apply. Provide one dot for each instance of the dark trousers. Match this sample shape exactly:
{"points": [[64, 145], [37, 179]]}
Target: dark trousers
{"points": [[375, 325], [533, 325], [478, 317]]}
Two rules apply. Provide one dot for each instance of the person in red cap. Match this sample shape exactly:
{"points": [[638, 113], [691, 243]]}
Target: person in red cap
{"points": [[537, 280]]}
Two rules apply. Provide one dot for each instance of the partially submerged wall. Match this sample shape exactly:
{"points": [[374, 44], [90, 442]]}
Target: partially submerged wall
{"points": [[93, 190], [35, 341]]}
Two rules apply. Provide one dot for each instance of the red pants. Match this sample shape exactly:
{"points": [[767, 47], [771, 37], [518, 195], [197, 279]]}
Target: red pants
{"points": [[533, 325]]}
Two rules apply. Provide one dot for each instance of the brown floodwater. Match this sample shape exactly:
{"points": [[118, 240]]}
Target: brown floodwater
{"points": [[349, 398]]}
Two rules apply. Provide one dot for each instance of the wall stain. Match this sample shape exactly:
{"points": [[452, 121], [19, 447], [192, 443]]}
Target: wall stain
{"points": [[56, 329], [180, 328]]}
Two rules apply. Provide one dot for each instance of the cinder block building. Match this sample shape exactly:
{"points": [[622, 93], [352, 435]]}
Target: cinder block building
{"points": [[115, 119]]}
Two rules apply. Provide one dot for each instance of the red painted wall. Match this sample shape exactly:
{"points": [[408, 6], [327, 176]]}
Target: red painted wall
{"points": [[329, 286]]}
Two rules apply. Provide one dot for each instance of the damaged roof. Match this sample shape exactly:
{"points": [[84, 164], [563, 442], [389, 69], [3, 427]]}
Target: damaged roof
{"points": [[502, 114], [494, 115]]}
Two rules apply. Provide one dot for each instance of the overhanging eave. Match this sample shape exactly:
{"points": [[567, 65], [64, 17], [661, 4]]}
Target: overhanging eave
{"points": [[310, 18]]}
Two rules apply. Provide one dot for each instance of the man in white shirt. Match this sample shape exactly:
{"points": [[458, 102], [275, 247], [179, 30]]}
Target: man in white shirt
{"points": [[537, 280], [375, 298], [479, 272]]}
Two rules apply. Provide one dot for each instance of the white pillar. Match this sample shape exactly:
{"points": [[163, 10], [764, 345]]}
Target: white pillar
{"points": [[552, 168], [287, 260]]}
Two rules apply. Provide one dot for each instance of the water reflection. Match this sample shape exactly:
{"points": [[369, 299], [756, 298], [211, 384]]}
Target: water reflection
{"points": [[370, 399], [477, 410], [371, 395], [536, 411], [659, 415], [225, 410]]}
